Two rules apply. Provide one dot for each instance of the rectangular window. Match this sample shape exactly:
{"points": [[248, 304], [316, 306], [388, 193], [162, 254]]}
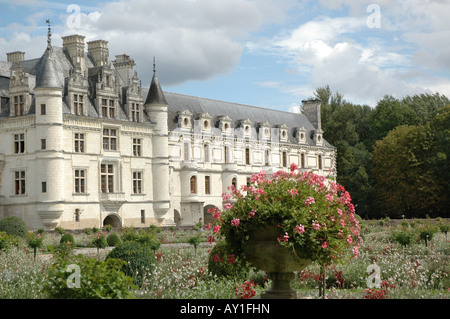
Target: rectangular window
{"points": [[319, 161], [247, 156], [142, 216], [79, 142], [18, 105], [19, 143], [207, 185], [284, 159], [186, 151], [135, 112], [137, 147], [137, 182], [109, 139], [266, 157], [112, 109], [193, 184], [19, 181], [206, 152], [302, 160], [249, 181], [226, 154], [43, 109], [104, 107], [107, 178], [44, 187], [78, 104], [43, 144], [80, 181]]}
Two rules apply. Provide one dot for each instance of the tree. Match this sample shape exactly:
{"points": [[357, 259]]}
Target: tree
{"points": [[404, 182]]}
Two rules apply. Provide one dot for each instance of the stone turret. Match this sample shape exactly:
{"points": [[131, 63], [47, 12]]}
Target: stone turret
{"points": [[49, 159], [156, 107]]}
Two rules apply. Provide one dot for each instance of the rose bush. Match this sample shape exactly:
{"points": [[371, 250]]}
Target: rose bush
{"points": [[314, 216]]}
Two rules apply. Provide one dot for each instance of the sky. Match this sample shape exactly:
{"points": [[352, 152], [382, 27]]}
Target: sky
{"points": [[266, 53]]}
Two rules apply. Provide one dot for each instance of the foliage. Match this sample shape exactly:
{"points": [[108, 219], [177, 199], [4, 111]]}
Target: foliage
{"points": [[140, 261], [403, 237], [355, 129], [98, 279], [312, 218], [7, 241], [35, 241], [13, 225], [99, 241], [113, 240], [194, 240], [223, 263], [148, 237], [20, 276], [67, 239]]}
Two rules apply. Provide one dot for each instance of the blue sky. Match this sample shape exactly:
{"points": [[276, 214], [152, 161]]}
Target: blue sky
{"points": [[269, 53]]}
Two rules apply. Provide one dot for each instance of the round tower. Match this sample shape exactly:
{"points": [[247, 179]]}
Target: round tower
{"points": [[157, 109], [49, 166]]}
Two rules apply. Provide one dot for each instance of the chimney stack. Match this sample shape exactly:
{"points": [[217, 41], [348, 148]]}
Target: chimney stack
{"points": [[16, 56], [74, 44], [98, 50]]}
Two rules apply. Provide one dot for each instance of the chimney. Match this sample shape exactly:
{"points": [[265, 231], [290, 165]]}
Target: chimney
{"points": [[16, 56], [74, 44], [98, 50], [124, 65], [311, 109]]}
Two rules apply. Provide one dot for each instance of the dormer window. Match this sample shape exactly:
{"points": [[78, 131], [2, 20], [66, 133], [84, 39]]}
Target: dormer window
{"points": [[78, 104], [247, 127], [135, 112], [205, 121], [318, 138], [184, 119], [301, 135], [108, 108], [284, 133], [19, 105], [264, 130], [225, 124]]}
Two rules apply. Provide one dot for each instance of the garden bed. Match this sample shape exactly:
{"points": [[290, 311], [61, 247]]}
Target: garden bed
{"points": [[408, 271]]}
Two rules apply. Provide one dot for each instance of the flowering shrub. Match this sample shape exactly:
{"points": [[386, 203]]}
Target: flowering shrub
{"points": [[313, 217], [378, 293], [245, 290]]}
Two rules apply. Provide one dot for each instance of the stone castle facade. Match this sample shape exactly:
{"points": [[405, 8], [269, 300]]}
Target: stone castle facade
{"points": [[83, 144]]}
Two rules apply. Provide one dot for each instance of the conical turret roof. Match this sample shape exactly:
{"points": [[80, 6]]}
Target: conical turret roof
{"points": [[155, 94], [46, 71]]}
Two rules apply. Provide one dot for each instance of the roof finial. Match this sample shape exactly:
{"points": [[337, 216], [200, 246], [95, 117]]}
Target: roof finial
{"points": [[49, 40], [154, 65]]}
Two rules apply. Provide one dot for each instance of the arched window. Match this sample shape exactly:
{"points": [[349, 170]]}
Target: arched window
{"points": [[234, 182], [193, 184]]}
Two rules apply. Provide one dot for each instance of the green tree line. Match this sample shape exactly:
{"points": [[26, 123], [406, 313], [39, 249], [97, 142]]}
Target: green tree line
{"points": [[393, 158]]}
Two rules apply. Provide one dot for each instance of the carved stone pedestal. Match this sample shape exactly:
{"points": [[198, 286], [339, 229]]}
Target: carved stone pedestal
{"points": [[281, 286]]}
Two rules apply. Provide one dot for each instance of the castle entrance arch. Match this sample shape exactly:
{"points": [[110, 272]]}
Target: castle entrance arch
{"points": [[113, 220]]}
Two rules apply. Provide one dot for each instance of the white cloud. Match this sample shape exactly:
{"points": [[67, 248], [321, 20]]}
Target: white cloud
{"points": [[365, 64], [192, 40]]}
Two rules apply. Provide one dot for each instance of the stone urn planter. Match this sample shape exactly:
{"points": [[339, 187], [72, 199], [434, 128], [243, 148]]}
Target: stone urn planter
{"points": [[265, 253]]}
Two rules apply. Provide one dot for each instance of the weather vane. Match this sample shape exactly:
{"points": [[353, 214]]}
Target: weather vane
{"points": [[49, 41]]}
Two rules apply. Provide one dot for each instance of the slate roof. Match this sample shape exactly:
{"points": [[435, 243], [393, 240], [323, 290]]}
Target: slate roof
{"points": [[237, 112]]}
